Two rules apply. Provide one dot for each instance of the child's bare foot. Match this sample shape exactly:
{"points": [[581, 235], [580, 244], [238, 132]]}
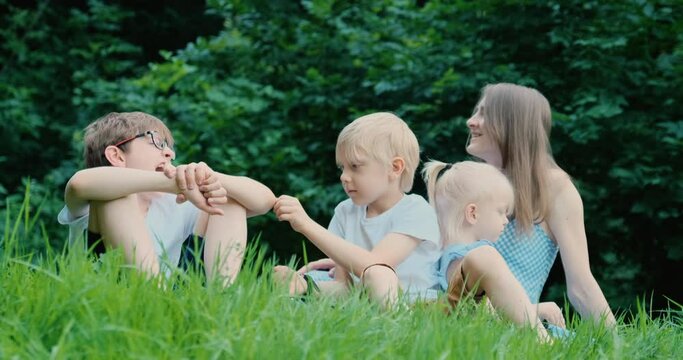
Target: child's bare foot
{"points": [[284, 275]]}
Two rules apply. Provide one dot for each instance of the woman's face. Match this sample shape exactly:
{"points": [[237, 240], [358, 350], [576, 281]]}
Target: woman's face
{"points": [[480, 142]]}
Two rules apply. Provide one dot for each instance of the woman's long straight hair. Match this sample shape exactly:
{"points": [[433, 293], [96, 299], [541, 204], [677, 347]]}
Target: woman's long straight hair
{"points": [[519, 121]]}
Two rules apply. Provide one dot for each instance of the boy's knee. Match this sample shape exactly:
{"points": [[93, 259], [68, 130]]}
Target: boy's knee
{"points": [[379, 274], [233, 208]]}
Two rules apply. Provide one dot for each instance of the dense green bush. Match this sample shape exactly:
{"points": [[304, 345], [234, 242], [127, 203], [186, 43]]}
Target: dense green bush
{"points": [[268, 93]]}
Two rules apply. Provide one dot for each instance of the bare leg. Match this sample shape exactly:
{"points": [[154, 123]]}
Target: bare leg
{"points": [[382, 284], [122, 224], [225, 241], [485, 267]]}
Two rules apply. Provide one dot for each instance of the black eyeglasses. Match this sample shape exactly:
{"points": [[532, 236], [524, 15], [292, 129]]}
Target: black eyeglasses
{"points": [[159, 143]]}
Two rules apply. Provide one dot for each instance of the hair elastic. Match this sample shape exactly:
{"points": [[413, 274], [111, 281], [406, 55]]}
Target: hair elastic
{"points": [[442, 171]]}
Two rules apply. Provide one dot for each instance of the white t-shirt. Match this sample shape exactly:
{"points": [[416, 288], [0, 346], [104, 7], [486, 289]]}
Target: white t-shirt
{"points": [[411, 216], [168, 223]]}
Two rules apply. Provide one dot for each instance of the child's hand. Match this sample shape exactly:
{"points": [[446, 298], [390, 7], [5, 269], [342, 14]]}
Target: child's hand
{"points": [[289, 209], [550, 312], [213, 190], [193, 175], [296, 284], [322, 264], [197, 199]]}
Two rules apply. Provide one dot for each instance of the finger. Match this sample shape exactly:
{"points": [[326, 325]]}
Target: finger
{"points": [[169, 170], [220, 192], [214, 211], [302, 270], [284, 197], [206, 207], [210, 187], [180, 198], [210, 178], [190, 176], [218, 200], [180, 177], [200, 173]]}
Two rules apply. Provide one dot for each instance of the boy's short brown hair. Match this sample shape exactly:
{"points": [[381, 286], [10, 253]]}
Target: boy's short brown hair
{"points": [[381, 136], [115, 127]]}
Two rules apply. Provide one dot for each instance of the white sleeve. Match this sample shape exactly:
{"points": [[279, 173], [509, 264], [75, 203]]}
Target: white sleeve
{"points": [[77, 225], [419, 221]]}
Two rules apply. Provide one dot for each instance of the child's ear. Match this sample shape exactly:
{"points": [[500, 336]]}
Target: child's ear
{"points": [[397, 166], [115, 156], [471, 213]]}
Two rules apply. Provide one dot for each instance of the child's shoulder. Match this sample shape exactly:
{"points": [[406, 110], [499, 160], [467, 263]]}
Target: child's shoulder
{"points": [[414, 201], [413, 206]]}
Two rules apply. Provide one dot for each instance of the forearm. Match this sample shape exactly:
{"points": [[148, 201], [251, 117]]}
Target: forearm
{"points": [[108, 183], [255, 197], [590, 302], [350, 256]]}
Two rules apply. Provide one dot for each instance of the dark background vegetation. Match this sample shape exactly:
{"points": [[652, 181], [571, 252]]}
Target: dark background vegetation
{"points": [[262, 88]]}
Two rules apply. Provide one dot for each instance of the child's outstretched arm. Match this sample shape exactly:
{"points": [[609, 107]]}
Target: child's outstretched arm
{"points": [[392, 250]]}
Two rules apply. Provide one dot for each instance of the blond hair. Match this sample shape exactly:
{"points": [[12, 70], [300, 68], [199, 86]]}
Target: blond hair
{"points": [[451, 187], [519, 120], [115, 127], [381, 136]]}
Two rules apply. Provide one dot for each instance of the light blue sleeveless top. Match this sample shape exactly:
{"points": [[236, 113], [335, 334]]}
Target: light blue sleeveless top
{"points": [[529, 256]]}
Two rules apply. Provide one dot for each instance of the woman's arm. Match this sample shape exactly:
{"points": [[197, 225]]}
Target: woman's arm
{"points": [[565, 220]]}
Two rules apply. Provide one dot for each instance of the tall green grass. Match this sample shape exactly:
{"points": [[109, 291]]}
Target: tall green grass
{"points": [[60, 304]]}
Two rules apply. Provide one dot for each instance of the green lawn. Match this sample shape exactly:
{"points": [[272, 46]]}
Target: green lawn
{"points": [[66, 306]]}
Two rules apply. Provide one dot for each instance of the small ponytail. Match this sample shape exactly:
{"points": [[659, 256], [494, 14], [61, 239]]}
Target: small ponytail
{"points": [[431, 172]]}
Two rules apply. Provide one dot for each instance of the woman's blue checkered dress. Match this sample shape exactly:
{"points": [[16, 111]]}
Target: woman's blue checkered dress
{"points": [[529, 257]]}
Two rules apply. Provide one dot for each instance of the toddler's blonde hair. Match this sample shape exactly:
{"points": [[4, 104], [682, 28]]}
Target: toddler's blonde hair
{"points": [[460, 184]]}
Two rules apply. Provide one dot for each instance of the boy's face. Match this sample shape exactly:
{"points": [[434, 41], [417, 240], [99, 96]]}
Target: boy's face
{"points": [[491, 219], [364, 179], [144, 153]]}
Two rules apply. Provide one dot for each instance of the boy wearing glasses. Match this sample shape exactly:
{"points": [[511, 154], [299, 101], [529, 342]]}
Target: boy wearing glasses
{"points": [[131, 196]]}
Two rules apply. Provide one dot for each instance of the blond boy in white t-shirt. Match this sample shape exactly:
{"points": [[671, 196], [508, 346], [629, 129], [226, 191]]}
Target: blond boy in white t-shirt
{"points": [[381, 237]]}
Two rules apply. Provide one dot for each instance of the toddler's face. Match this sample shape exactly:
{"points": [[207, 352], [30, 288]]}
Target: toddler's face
{"points": [[492, 216], [364, 179]]}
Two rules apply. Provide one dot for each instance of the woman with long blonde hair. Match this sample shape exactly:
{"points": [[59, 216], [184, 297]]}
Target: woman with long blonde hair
{"points": [[510, 129]]}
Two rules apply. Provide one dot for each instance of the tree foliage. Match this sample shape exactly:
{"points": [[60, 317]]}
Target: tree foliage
{"points": [[267, 94]]}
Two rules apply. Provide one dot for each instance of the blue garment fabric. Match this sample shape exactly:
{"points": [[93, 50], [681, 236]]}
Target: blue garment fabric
{"points": [[452, 253], [529, 256]]}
